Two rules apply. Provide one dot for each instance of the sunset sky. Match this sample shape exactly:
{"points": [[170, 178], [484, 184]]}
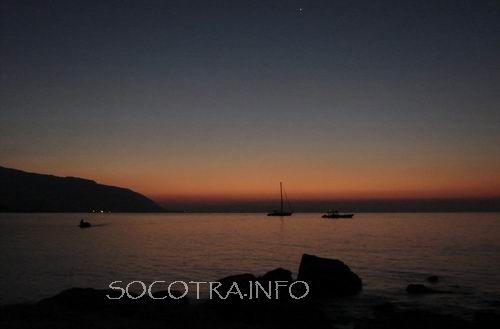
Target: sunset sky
{"points": [[221, 100]]}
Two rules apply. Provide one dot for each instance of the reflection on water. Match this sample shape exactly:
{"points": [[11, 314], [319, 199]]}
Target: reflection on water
{"points": [[42, 254]]}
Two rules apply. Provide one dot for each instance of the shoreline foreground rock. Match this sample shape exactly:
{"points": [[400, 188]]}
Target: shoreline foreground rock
{"points": [[328, 277], [90, 308], [325, 277]]}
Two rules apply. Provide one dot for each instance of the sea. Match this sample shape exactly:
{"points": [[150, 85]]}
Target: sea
{"points": [[42, 254]]}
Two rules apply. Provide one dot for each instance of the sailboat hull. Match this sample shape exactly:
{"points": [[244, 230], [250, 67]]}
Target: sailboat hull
{"points": [[281, 214]]}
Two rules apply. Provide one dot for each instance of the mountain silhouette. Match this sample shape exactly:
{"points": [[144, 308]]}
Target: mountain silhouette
{"points": [[22, 191]]}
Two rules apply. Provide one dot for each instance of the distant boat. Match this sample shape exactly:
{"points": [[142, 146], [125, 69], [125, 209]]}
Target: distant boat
{"points": [[281, 212], [84, 224], [336, 214]]}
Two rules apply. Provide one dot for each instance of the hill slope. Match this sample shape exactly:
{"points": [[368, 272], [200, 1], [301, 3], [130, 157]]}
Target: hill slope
{"points": [[21, 191]]}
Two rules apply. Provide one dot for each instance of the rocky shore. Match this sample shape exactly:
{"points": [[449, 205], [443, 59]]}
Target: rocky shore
{"points": [[332, 284]]}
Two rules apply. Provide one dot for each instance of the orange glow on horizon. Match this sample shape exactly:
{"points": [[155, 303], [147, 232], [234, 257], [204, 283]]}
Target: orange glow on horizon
{"points": [[303, 181]]}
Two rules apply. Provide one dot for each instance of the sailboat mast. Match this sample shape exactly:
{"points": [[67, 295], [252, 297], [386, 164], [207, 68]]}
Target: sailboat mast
{"points": [[281, 193]]}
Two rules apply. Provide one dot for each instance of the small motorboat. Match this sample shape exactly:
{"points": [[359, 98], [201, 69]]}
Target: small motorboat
{"points": [[336, 214], [84, 224]]}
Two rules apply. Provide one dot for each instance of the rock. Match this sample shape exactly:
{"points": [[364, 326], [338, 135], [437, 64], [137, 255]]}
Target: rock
{"points": [[164, 294], [242, 279], [243, 287], [417, 289], [279, 274], [384, 309], [494, 303], [487, 319], [80, 298], [243, 282], [433, 279], [414, 319], [328, 277], [95, 300]]}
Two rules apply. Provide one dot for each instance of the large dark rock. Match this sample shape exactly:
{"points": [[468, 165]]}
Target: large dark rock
{"points": [[278, 274], [328, 277], [254, 290], [420, 289], [261, 311], [433, 279], [243, 282]]}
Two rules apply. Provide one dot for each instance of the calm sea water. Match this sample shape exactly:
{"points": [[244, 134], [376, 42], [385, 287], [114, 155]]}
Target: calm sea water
{"points": [[41, 254]]}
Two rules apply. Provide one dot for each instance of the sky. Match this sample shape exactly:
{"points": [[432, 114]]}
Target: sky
{"points": [[216, 102]]}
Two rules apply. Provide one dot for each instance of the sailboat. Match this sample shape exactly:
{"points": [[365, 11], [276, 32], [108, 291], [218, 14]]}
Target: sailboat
{"points": [[281, 212]]}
